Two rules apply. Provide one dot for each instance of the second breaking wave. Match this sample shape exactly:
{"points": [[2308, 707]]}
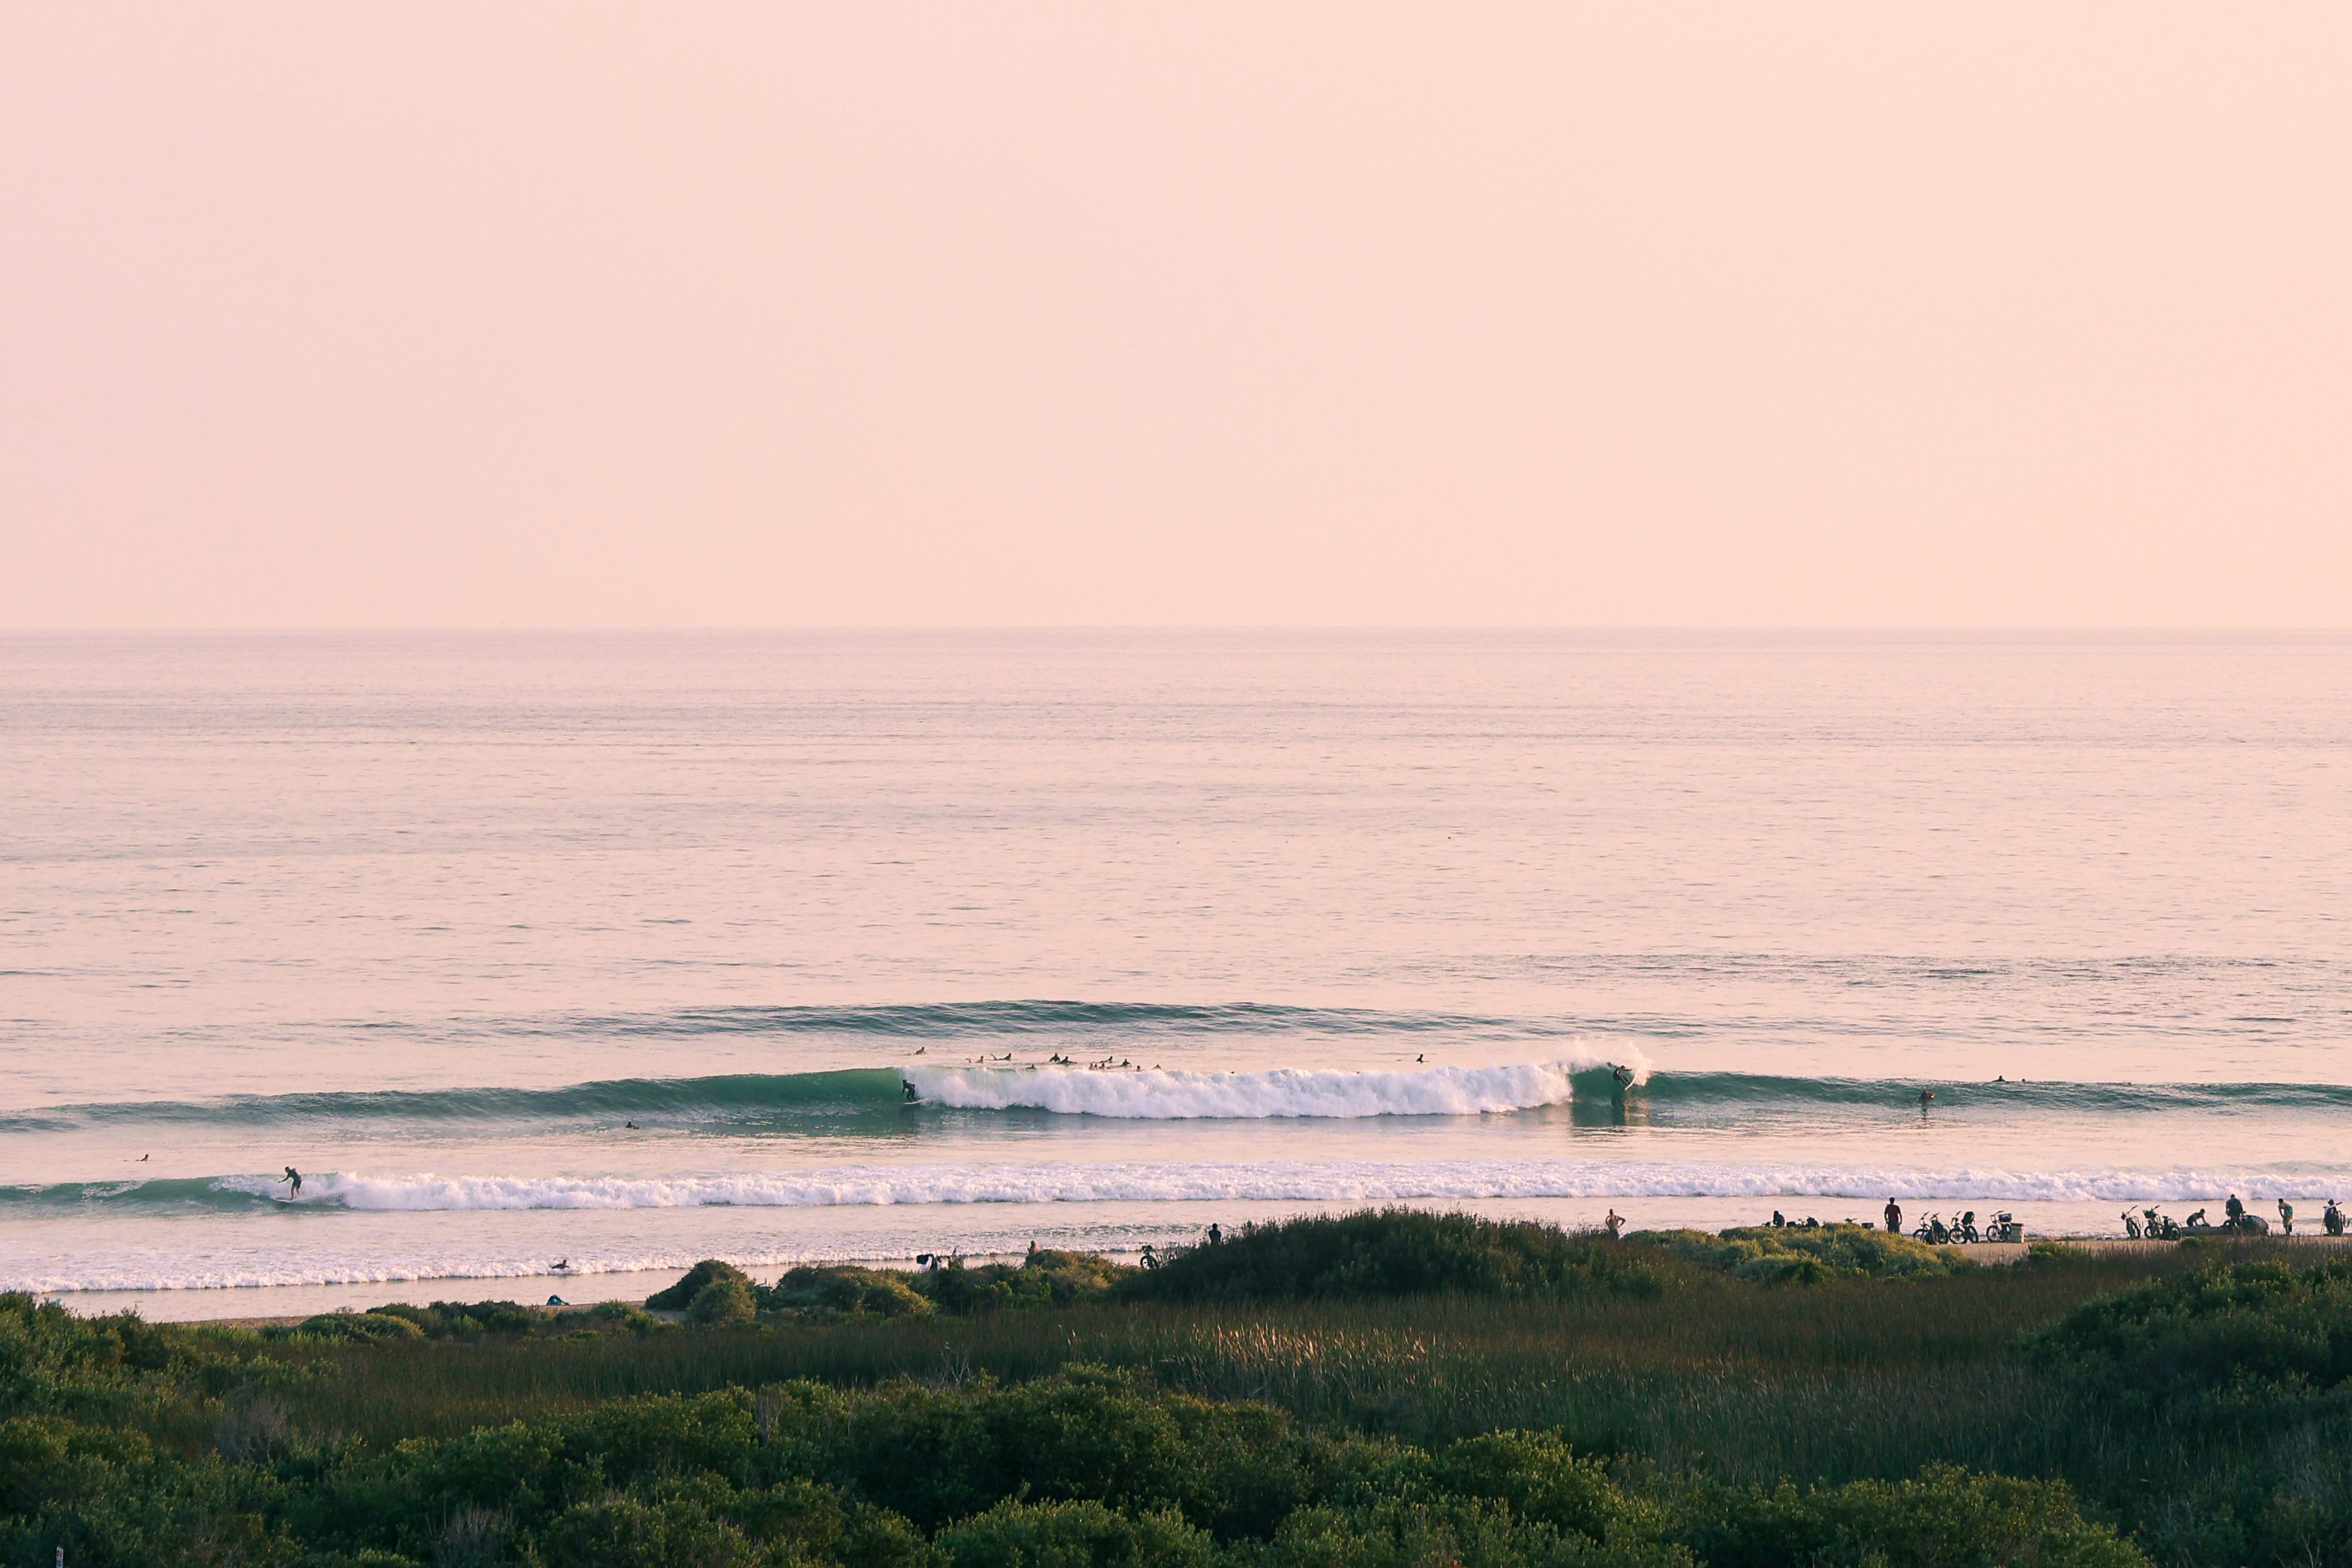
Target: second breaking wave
{"points": [[812, 1101]]}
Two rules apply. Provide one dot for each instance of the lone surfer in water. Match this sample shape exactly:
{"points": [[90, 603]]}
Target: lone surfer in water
{"points": [[1927, 1098], [909, 1088], [1623, 1075], [294, 1178]]}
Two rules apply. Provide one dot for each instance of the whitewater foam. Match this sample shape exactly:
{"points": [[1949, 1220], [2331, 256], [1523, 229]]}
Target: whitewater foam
{"points": [[1155, 1094], [1327, 1182]]}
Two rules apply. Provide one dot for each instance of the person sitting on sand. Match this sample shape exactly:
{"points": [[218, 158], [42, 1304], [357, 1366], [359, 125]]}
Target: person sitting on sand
{"points": [[295, 1177]]}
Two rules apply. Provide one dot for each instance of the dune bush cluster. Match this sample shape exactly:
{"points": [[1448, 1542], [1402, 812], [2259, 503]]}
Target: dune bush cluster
{"points": [[1306, 1394]]}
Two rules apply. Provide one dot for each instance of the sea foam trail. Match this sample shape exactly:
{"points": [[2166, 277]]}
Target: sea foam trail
{"points": [[1146, 1182], [1159, 1095]]}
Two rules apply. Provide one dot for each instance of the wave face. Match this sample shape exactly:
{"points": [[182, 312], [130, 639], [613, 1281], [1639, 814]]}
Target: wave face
{"points": [[875, 1097], [1141, 1182]]}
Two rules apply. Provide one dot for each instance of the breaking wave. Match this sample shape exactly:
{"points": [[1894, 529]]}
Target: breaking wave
{"points": [[875, 1097], [1140, 1182], [1156, 1095]]}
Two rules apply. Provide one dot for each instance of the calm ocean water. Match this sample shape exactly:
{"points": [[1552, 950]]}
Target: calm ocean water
{"points": [[435, 919]]}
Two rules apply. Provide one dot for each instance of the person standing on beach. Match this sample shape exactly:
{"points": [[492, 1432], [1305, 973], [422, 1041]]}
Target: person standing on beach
{"points": [[2287, 1217], [1894, 1217]]}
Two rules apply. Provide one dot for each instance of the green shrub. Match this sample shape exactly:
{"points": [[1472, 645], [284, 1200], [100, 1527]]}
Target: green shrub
{"points": [[1045, 1279], [1072, 1535], [627, 1532], [1398, 1252], [723, 1303], [2235, 1340], [1542, 1480], [367, 1325], [1944, 1518], [1805, 1254], [680, 1296], [1455, 1532], [877, 1291]]}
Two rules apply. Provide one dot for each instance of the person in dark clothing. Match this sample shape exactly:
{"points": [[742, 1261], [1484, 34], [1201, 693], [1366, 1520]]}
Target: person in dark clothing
{"points": [[2234, 1209], [295, 1177], [1894, 1217]]}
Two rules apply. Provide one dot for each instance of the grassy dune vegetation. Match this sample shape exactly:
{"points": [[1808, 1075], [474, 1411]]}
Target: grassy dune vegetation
{"points": [[1381, 1389]]}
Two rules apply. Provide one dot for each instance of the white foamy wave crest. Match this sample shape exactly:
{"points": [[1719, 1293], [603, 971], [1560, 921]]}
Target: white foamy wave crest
{"points": [[1161, 1095], [1337, 1181]]}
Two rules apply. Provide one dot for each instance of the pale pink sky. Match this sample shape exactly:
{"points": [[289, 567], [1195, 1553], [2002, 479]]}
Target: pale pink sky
{"points": [[765, 314]]}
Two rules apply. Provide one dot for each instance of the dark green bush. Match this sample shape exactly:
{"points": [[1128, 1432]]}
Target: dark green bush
{"points": [[1771, 1252], [368, 1325], [1072, 1535], [722, 1303], [680, 1296], [1398, 1252], [2236, 1340], [1946, 1517], [880, 1291]]}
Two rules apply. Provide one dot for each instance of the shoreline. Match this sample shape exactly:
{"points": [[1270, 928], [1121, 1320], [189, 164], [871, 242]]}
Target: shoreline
{"points": [[256, 1306]]}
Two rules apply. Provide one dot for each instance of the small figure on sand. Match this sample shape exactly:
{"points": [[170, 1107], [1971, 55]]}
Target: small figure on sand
{"points": [[2286, 1217], [294, 1177], [2234, 1209], [2331, 1218], [1216, 1237], [1616, 1222], [1894, 1217]]}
